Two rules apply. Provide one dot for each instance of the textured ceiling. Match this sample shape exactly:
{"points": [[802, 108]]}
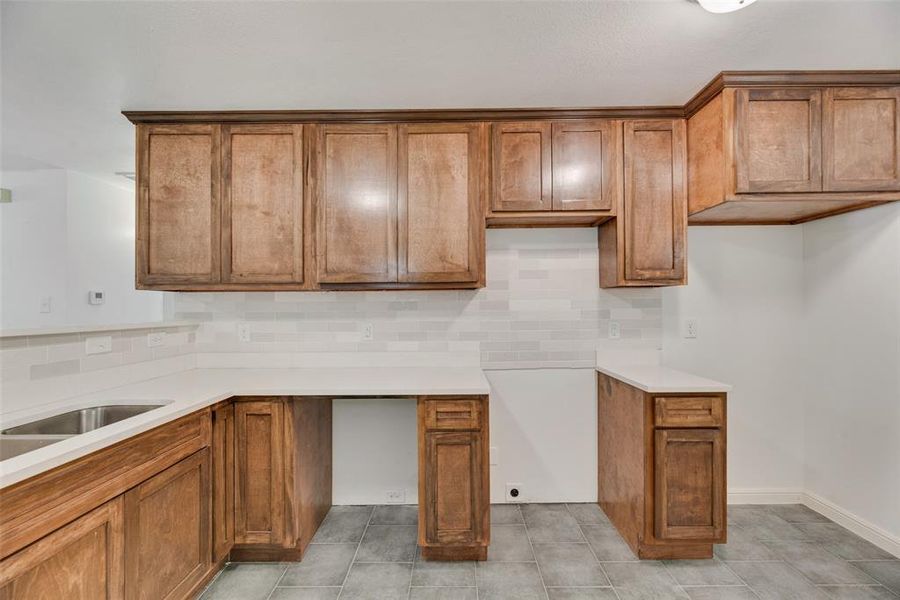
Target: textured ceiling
{"points": [[69, 68]]}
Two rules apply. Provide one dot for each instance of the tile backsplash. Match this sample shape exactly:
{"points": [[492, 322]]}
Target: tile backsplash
{"points": [[542, 308]]}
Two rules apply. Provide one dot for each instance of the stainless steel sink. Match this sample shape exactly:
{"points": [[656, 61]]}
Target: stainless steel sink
{"points": [[80, 421], [37, 434]]}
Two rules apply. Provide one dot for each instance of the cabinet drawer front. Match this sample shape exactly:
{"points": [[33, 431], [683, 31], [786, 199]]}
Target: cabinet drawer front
{"points": [[449, 415], [700, 411]]}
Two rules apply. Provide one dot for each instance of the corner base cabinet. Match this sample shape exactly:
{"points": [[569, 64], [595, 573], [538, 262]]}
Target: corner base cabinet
{"points": [[661, 469]]}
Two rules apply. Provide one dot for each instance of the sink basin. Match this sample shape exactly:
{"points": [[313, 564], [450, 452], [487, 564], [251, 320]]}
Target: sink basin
{"points": [[80, 421]]}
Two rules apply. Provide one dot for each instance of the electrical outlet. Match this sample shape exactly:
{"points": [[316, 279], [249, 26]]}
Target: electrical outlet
{"points": [[493, 456], [243, 331], [155, 339], [98, 345], [514, 492], [46, 304], [615, 330], [689, 328], [368, 332], [395, 496]]}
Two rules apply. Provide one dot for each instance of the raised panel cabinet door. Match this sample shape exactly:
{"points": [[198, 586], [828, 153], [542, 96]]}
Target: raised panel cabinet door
{"points": [[861, 139], [222, 481], [454, 491], [356, 203], [587, 164], [178, 204], [689, 498], [654, 220], [167, 531], [259, 504], [521, 155], [439, 202], [83, 560], [262, 216], [778, 140]]}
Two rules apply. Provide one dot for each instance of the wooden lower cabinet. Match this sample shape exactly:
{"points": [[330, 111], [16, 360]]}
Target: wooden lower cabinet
{"points": [[259, 475], [83, 560], [661, 469], [167, 531], [282, 476], [222, 446], [454, 501]]}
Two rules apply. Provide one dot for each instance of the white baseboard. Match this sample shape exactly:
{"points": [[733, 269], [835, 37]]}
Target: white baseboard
{"points": [[857, 525], [765, 496], [841, 516]]}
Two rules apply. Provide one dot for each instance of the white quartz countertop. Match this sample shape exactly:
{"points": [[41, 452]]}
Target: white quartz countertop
{"points": [[655, 378], [189, 391]]}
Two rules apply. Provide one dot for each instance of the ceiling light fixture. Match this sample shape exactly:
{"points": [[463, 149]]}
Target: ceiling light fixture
{"points": [[724, 6]]}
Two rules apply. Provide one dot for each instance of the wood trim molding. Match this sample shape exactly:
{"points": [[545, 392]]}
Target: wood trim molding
{"points": [[444, 115], [783, 79], [403, 115]]}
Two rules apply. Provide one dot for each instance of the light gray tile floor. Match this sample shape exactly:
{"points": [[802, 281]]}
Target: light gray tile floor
{"points": [[571, 552]]}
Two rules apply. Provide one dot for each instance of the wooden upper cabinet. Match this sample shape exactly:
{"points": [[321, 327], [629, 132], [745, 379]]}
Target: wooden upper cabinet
{"points": [[262, 225], [645, 245], [778, 135], [178, 204], [441, 178], [587, 164], [861, 139], [521, 154], [83, 560], [356, 203], [167, 531]]}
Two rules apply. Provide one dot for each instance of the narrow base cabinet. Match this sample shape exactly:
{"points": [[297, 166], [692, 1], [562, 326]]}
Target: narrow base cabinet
{"points": [[282, 476], [454, 491], [661, 469]]}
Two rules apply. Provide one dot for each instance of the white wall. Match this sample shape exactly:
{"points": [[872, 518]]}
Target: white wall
{"points": [[745, 290], [852, 402], [66, 233], [33, 248]]}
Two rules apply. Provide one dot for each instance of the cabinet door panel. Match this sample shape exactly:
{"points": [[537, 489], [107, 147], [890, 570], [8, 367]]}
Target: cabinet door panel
{"points": [[655, 216], [223, 481], [861, 143], [178, 203], [440, 183], [690, 484], [262, 232], [80, 561], [521, 166], [356, 203], [586, 165], [167, 531], [259, 479], [778, 140], [453, 468]]}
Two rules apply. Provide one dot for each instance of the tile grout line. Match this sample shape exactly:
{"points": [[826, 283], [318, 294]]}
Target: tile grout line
{"points": [[594, 554], [533, 553], [275, 587], [358, 544]]}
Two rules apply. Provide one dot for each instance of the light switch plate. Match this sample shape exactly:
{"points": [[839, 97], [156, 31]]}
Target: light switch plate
{"points": [[46, 304], [98, 345]]}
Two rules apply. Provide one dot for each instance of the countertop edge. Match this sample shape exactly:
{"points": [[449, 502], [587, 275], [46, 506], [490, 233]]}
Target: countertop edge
{"points": [[692, 383]]}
